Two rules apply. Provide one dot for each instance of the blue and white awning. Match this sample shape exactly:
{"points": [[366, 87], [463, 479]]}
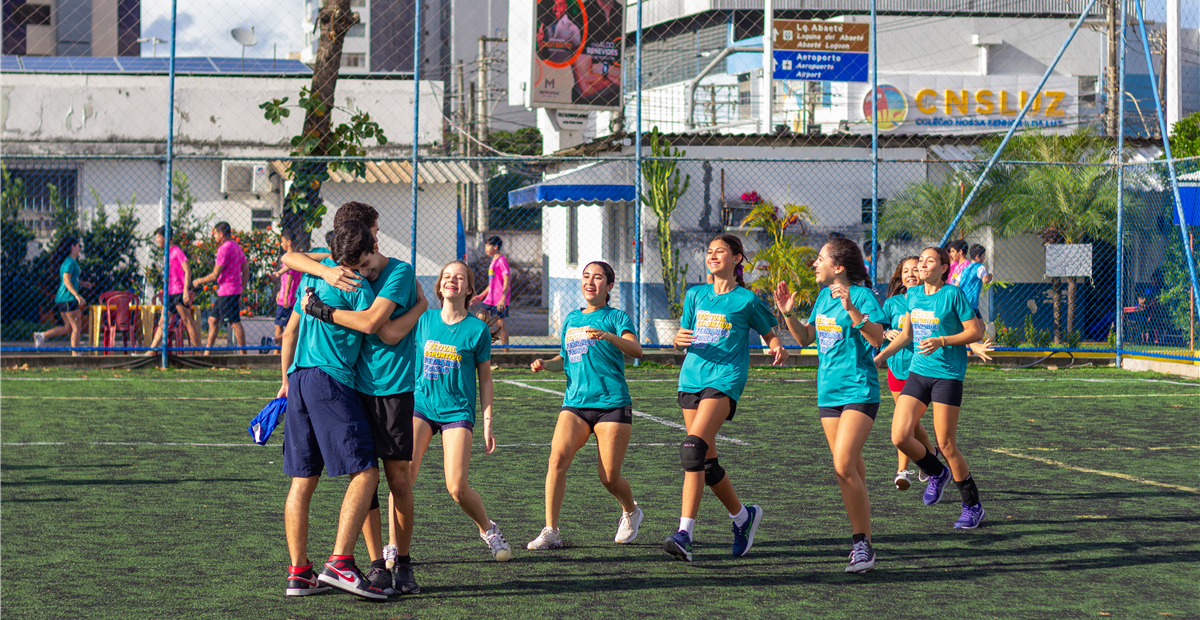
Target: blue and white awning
{"points": [[544, 195]]}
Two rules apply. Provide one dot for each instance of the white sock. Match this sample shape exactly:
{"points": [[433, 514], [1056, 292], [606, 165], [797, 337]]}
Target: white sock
{"points": [[686, 525], [741, 517]]}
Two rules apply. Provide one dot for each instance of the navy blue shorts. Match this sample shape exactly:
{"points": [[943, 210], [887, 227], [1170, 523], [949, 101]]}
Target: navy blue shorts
{"points": [[325, 427], [870, 409], [176, 300], [282, 314], [67, 306], [495, 311], [227, 308], [928, 389], [444, 426]]}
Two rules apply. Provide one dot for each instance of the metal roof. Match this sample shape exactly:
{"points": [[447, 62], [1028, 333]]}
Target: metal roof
{"points": [[400, 172], [139, 65]]}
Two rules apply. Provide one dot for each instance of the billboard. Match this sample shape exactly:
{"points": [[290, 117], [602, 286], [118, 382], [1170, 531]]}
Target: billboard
{"points": [[578, 54], [821, 51]]}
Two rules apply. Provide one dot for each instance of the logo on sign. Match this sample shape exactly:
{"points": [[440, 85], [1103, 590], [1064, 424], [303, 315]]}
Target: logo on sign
{"points": [[891, 104]]}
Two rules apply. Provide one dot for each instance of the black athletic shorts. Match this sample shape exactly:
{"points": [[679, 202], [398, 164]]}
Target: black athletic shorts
{"points": [[871, 409], [593, 416], [691, 400], [926, 389], [174, 301], [391, 419], [67, 306], [227, 308]]}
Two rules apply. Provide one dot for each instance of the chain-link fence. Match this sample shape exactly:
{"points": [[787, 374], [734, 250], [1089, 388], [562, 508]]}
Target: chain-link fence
{"points": [[504, 134]]}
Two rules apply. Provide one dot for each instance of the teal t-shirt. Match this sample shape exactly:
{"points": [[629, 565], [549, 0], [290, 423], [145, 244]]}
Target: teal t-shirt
{"points": [[971, 284], [719, 358], [933, 316], [894, 310], [449, 356], [846, 370], [332, 348], [385, 369], [595, 369], [319, 250], [70, 266]]}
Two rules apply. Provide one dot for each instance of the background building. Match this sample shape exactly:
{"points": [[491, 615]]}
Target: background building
{"points": [[72, 27]]}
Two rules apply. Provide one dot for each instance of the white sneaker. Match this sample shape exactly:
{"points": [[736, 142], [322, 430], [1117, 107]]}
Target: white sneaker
{"points": [[627, 527], [902, 482], [389, 555], [548, 539], [501, 552], [39, 339]]}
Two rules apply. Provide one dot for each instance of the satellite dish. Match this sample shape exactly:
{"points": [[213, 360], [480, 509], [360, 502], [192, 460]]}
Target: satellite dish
{"points": [[243, 36]]}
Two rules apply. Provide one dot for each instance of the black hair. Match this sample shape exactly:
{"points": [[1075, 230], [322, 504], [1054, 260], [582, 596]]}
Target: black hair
{"points": [[64, 249], [896, 285], [223, 228], [944, 257], [976, 251], [161, 231], [329, 238], [351, 242], [358, 211], [610, 275], [735, 245], [958, 244], [835, 235], [495, 242], [872, 248], [845, 253], [300, 239]]}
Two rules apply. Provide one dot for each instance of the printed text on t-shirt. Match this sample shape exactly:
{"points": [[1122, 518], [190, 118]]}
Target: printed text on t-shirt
{"points": [[577, 343], [440, 359], [828, 332], [710, 328], [924, 323]]}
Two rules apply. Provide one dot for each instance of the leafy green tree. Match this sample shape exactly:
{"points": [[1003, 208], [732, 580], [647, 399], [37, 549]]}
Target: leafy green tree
{"points": [[784, 260], [14, 270], [187, 230], [926, 207], [1177, 293]]}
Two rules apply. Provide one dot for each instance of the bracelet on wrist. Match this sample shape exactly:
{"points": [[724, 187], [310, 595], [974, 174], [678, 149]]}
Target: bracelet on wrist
{"points": [[861, 323]]}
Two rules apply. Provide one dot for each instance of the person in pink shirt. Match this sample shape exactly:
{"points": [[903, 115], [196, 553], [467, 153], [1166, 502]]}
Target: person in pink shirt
{"points": [[289, 280], [179, 296], [958, 259], [498, 294], [230, 274]]}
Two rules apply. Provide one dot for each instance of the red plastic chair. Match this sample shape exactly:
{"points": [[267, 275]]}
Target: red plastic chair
{"points": [[119, 317]]}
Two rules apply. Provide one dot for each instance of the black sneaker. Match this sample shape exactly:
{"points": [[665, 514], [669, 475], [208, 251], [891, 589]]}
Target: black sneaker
{"points": [[304, 583], [380, 578], [345, 576], [402, 576]]}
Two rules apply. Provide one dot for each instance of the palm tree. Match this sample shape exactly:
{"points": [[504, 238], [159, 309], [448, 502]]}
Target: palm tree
{"points": [[926, 207], [1073, 202]]}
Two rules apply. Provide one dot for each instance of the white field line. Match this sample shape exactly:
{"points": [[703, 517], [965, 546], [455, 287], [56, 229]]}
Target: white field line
{"points": [[1111, 449], [250, 444], [1094, 471], [639, 414]]}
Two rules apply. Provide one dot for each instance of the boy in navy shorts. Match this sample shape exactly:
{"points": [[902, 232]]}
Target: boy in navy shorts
{"points": [[325, 426]]}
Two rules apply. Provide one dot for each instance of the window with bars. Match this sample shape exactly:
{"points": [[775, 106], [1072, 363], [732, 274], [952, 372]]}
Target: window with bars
{"points": [[38, 201]]}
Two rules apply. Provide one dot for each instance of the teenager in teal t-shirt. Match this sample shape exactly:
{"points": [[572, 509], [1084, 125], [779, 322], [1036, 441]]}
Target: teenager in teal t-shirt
{"points": [[67, 298], [715, 332], [595, 341], [895, 309], [846, 322], [941, 324], [455, 348]]}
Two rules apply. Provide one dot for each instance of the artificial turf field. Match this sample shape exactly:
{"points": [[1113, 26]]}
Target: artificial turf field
{"points": [[138, 494]]}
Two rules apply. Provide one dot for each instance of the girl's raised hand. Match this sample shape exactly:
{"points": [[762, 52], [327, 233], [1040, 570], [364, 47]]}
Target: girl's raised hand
{"points": [[784, 300], [982, 349]]}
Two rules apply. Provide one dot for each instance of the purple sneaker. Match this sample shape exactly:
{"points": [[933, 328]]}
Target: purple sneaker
{"points": [[937, 487], [971, 517]]}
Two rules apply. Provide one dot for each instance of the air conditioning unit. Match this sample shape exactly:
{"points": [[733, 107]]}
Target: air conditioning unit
{"points": [[244, 177]]}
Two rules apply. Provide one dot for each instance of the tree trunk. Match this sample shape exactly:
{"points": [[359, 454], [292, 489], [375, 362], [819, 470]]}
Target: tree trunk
{"points": [[1056, 300], [1070, 305], [335, 19]]}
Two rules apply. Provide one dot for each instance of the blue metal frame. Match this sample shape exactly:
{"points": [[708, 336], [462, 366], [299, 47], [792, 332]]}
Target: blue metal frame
{"points": [[1119, 327], [170, 172], [637, 182], [874, 145], [1016, 123]]}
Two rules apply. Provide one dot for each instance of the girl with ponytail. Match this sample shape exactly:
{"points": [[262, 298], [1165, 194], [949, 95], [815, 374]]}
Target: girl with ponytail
{"points": [[595, 341], [715, 332]]}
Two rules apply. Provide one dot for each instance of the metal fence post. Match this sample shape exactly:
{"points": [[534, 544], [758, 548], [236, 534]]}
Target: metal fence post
{"points": [[637, 184], [170, 171], [874, 146], [1120, 279], [416, 134]]}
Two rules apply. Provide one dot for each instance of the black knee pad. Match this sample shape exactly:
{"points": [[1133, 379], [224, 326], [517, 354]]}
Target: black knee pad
{"points": [[691, 453], [374, 502], [713, 472]]}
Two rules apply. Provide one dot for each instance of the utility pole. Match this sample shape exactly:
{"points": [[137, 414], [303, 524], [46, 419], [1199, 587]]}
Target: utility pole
{"points": [[462, 109], [481, 124], [1112, 86]]}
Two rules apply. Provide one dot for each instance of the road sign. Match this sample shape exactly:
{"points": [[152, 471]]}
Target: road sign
{"points": [[821, 51]]}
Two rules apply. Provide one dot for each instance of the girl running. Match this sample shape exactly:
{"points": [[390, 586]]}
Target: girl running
{"points": [[894, 310], [941, 324], [454, 345], [595, 341], [715, 331], [847, 380], [67, 300]]}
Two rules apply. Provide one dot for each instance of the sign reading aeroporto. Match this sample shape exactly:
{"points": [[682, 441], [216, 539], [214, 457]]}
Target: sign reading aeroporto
{"points": [[821, 51]]}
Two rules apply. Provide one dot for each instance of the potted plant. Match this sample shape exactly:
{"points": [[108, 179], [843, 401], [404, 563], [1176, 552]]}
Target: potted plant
{"points": [[783, 260], [663, 191]]}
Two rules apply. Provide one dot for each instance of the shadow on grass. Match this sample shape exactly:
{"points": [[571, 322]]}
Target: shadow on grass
{"points": [[91, 466], [120, 482], [1016, 496]]}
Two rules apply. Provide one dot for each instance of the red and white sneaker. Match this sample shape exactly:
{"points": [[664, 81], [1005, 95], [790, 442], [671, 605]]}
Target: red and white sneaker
{"points": [[302, 581], [344, 575]]}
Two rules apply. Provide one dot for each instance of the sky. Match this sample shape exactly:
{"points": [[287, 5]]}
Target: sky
{"points": [[204, 26]]}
